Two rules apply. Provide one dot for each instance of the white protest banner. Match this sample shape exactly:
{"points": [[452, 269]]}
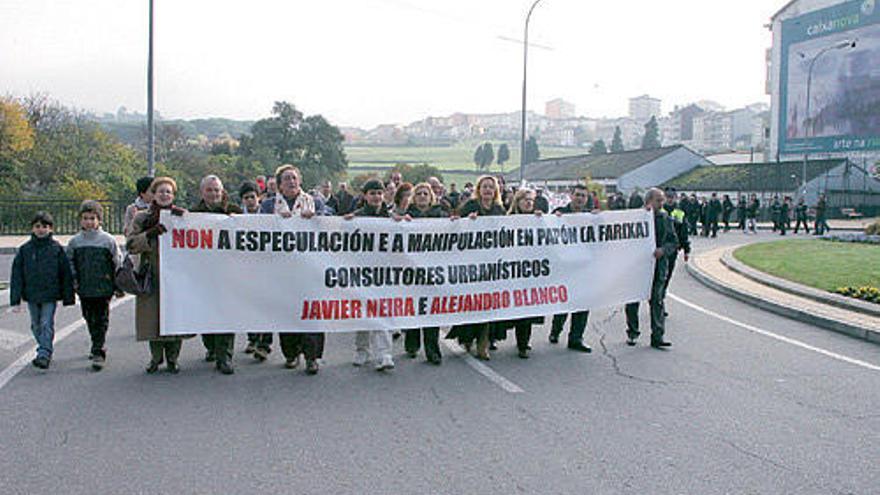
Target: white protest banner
{"points": [[264, 273]]}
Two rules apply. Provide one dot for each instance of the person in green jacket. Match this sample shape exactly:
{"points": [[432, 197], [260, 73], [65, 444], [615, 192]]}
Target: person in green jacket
{"points": [[666, 246]]}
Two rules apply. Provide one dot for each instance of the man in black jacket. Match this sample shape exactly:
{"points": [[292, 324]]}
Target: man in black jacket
{"points": [[666, 246], [578, 204], [219, 346]]}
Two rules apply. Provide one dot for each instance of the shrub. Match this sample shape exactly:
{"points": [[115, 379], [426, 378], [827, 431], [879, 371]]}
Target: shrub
{"points": [[873, 229], [866, 293]]}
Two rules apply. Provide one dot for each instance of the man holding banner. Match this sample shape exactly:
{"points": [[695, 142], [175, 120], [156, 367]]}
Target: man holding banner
{"points": [[578, 204], [292, 201], [666, 247], [218, 346]]}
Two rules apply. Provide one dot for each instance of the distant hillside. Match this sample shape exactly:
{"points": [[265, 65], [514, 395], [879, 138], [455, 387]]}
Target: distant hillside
{"points": [[133, 132]]}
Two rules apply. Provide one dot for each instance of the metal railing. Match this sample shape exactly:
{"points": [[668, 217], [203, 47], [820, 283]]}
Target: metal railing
{"points": [[16, 215]]}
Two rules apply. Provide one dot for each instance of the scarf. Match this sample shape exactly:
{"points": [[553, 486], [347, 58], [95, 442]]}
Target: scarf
{"points": [[303, 203]]}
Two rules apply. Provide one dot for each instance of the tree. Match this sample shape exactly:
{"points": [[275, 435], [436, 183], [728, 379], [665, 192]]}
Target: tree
{"points": [[478, 157], [311, 143], [503, 155], [488, 155], [651, 139], [532, 154], [617, 142], [598, 148], [16, 138]]}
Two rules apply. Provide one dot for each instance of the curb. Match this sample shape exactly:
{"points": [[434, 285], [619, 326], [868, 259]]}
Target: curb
{"points": [[866, 334], [796, 289]]}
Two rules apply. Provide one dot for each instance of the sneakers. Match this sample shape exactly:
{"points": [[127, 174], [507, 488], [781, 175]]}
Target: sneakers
{"points": [[435, 359], [41, 362], [360, 358], [260, 354], [225, 368], [210, 357], [386, 364], [153, 367], [173, 368], [312, 367], [290, 363], [412, 354], [98, 362], [250, 348], [554, 338], [523, 353]]}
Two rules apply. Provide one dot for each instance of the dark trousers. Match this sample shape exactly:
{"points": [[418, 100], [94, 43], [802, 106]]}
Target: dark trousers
{"points": [[821, 226], [523, 331], [782, 226], [802, 221], [261, 341], [309, 344], [692, 225], [96, 312], [220, 345], [669, 272], [656, 304], [162, 349], [726, 220], [713, 227], [742, 221], [576, 330], [431, 337]]}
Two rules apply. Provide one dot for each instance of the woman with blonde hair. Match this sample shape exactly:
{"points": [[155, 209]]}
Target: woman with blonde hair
{"points": [[486, 202], [423, 205], [143, 240]]}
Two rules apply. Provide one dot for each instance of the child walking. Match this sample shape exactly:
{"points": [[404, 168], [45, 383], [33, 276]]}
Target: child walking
{"points": [[41, 277], [94, 257]]}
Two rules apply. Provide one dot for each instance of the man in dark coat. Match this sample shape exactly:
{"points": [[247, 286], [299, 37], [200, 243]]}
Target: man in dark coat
{"points": [[666, 246], [635, 201], [219, 346], [713, 210], [800, 212], [578, 204], [726, 211], [741, 207]]}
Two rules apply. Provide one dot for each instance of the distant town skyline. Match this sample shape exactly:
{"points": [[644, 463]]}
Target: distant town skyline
{"points": [[384, 61]]}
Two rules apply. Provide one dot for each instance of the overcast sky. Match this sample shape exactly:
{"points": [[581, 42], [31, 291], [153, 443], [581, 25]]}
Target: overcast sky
{"points": [[366, 62]]}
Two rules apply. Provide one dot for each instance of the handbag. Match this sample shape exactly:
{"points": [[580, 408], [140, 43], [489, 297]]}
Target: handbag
{"points": [[138, 282]]}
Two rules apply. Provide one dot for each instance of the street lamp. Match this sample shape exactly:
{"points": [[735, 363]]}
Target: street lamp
{"points": [[807, 125], [151, 166], [522, 140]]}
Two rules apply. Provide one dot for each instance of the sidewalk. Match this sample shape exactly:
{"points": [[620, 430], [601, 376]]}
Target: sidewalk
{"points": [[709, 268]]}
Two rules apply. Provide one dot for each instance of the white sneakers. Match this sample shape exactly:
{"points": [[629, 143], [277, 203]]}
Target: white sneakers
{"points": [[361, 357], [385, 364]]}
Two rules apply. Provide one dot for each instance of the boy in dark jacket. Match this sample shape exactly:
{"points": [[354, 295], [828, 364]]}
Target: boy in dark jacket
{"points": [[41, 277], [94, 257]]}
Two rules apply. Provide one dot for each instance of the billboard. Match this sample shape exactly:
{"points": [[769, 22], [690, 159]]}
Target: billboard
{"points": [[830, 80]]}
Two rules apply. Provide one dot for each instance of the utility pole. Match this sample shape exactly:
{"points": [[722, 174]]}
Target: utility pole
{"points": [[151, 165], [522, 141]]}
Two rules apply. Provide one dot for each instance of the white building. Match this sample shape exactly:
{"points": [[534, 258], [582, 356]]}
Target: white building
{"points": [[642, 108]]}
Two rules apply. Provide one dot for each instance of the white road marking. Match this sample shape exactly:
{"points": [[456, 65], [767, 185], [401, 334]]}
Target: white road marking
{"points": [[10, 340], [489, 373], [19, 364], [787, 340]]}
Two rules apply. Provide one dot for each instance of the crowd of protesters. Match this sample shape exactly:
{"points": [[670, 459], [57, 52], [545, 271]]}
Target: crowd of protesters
{"points": [[43, 273], [706, 216]]}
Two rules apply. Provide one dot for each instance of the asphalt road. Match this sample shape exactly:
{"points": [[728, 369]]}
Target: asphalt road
{"points": [[726, 411]]}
